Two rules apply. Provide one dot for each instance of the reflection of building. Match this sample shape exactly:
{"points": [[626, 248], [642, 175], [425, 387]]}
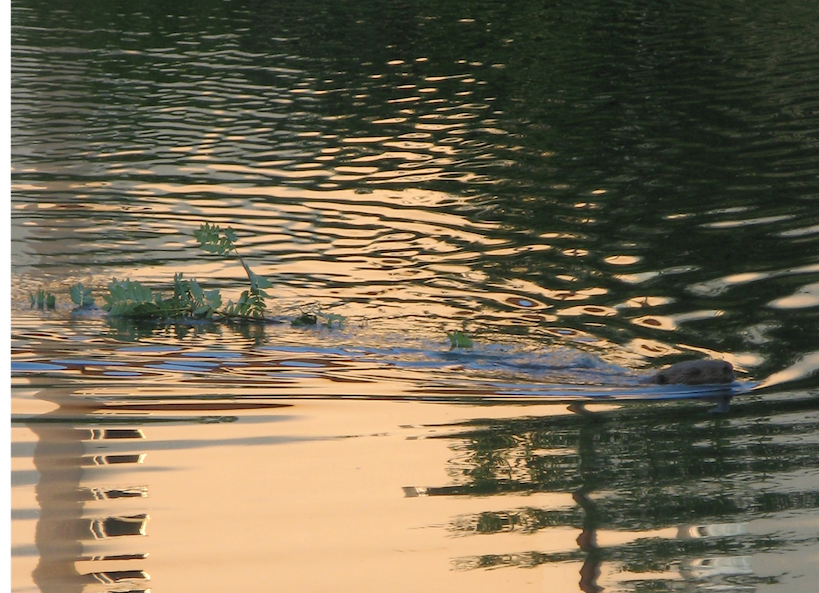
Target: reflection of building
{"points": [[65, 534]]}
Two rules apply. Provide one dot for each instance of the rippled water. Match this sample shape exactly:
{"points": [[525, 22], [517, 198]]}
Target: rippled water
{"points": [[588, 191]]}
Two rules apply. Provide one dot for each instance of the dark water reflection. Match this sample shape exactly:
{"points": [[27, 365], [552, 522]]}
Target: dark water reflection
{"points": [[643, 472], [588, 190], [645, 175]]}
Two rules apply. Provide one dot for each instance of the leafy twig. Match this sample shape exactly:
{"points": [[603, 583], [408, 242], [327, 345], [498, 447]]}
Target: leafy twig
{"points": [[214, 239]]}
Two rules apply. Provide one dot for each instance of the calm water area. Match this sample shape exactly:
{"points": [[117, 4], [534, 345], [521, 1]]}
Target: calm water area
{"points": [[589, 190]]}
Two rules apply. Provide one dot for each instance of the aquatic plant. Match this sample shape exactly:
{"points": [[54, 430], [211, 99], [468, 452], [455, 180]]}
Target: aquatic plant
{"points": [[132, 300], [331, 318], [459, 339], [42, 299], [214, 239], [80, 295], [129, 298], [190, 298], [312, 317], [304, 319]]}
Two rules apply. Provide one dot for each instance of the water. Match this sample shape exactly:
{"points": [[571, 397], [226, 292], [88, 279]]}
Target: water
{"points": [[589, 192]]}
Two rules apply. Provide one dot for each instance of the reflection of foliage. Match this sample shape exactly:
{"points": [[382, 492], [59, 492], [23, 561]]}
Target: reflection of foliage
{"points": [[653, 466], [519, 560], [254, 332], [125, 329], [524, 520], [130, 330]]}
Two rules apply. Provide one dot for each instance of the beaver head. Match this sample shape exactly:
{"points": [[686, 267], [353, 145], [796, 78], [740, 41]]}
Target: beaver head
{"points": [[696, 372]]}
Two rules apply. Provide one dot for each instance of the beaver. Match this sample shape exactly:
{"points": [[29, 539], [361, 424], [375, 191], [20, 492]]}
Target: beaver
{"points": [[695, 372]]}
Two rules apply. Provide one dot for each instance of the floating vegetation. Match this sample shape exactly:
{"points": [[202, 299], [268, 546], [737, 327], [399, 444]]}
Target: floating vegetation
{"points": [[129, 299], [313, 316], [251, 303], [81, 296], [43, 299], [332, 318], [459, 340], [304, 319]]}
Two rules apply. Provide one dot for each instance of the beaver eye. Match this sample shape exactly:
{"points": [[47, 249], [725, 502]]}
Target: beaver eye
{"points": [[662, 379]]}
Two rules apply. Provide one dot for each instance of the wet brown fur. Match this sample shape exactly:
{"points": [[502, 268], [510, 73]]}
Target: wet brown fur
{"points": [[695, 372]]}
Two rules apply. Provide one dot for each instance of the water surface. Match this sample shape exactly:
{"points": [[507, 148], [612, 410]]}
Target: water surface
{"points": [[589, 192]]}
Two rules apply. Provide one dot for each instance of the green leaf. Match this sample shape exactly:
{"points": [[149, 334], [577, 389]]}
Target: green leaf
{"points": [[259, 282], [80, 295], [76, 293], [330, 318], [196, 290], [131, 299], [304, 319], [210, 239], [41, 299], [214, 298], [459, 340]]}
